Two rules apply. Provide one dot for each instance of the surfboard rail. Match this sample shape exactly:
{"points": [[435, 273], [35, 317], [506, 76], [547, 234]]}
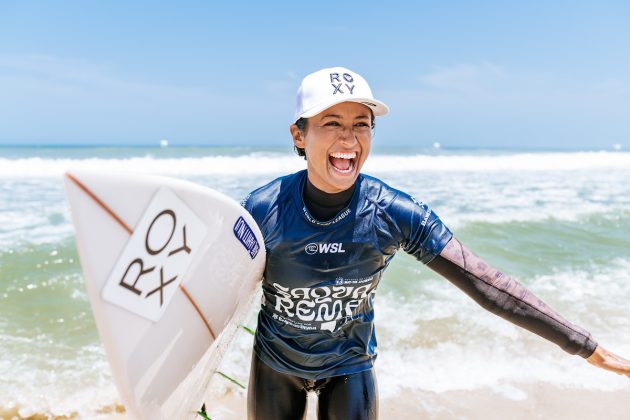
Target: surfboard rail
{"points": [[171, 268]]}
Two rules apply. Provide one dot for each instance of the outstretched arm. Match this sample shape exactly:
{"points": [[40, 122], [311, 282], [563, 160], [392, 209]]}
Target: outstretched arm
{"points": [[504, 296]]}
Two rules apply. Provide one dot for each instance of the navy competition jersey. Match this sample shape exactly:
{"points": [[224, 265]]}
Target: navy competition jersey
{"points": [[316, 317]]}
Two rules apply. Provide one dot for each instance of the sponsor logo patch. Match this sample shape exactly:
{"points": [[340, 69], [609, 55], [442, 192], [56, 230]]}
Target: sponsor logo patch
{"points": [[324, 248], [246, 236]]}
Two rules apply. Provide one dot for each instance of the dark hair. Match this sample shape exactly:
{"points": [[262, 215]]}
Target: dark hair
{"points": [[302, 125]]}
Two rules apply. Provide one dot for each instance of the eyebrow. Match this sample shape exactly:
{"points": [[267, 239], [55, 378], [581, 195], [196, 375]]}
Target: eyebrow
{"points": [[340, 117]]}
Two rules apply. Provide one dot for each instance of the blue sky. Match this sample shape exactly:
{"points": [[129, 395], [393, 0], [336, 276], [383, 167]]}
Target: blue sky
{"points": [[534, 74]]}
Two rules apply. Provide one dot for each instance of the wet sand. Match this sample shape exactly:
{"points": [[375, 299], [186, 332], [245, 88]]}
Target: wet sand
{"points": [[540, 401], [523, 402]]}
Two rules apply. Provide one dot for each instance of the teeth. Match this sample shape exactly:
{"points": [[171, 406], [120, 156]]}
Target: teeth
{"points": [[340, 155]]}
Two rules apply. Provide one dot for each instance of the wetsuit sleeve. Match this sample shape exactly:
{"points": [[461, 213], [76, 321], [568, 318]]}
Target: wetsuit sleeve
{"points": [[504, 296], [423, 233]]}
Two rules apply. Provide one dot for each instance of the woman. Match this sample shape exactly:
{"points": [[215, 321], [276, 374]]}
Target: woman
{"points": [[330, 232]]}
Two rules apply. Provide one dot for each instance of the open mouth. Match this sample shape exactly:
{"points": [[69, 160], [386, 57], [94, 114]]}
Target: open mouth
{"points": [[343, 162]]}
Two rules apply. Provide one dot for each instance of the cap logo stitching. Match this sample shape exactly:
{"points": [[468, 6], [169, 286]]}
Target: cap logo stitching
{"points": [[334, 77]]}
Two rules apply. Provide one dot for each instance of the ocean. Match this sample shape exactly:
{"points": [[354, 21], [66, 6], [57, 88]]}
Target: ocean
{"points": [[557, 221]]}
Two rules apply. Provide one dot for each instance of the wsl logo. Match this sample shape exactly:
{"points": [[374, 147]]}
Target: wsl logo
{"points": [[332, 248]]}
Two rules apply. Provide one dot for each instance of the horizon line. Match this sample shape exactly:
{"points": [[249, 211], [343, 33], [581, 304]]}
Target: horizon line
{"points": [[612, 147]]}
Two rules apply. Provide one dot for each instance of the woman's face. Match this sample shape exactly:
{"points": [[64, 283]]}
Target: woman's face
{"points": [[337, 143]]}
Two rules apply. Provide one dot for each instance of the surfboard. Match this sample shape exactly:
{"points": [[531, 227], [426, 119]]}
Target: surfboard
{"points": [[170, 268]]}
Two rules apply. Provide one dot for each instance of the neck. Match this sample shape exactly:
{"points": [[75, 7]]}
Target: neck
{"points": [[322, 205]]}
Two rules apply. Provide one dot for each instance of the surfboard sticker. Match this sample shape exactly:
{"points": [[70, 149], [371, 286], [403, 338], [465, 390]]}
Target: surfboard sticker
{"points": [[246, 236], [155, 260]]}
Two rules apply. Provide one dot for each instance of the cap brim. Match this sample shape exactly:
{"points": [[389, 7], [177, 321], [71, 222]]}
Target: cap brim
{"points": [[377, 107]]}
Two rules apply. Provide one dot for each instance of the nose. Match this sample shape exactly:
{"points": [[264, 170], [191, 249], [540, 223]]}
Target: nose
{"points": [[348, 136]]}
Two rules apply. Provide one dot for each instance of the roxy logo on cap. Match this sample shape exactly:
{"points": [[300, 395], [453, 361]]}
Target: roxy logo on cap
{"points": [[338, 84], [328, 87]]}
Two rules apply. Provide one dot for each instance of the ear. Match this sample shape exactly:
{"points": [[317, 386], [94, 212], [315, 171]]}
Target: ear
{"points": [[297, 135]]}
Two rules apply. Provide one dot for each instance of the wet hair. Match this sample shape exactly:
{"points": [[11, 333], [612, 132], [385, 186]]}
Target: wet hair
{"points": [[302, 125]]}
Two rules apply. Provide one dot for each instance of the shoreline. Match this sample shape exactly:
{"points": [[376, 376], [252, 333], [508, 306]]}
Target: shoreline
{"points": [[519, 401], [526, 401]]}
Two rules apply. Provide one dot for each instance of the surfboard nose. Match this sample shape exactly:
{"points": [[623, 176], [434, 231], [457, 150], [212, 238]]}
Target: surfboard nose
{"points": [[170, 267]]}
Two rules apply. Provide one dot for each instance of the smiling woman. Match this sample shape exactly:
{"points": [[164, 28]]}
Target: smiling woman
{"points": [[330, 232], [340, 108], [337, 144]]}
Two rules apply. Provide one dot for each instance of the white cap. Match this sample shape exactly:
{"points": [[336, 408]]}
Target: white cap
{"points": [[328, 87]]}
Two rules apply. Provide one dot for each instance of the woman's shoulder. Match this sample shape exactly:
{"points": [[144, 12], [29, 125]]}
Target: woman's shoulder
{"points": [[379, 192], [395, 202], [259, 201]]}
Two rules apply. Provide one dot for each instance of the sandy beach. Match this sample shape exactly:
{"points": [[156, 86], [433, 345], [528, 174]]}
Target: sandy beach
{"points": [[539, 401], [534, 401]]}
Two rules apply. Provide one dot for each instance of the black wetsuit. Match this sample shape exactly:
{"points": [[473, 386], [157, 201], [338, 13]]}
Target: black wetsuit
{"points": [[325, 256]]}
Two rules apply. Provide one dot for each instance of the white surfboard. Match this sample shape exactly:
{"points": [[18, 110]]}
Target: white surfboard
{"points": [[170, 268]]}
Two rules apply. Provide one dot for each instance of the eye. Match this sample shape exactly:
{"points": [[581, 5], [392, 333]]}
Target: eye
{"points": [[361, 124], [332, 124]]}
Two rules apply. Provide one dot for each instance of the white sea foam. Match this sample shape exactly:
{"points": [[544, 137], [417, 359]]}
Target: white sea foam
{"points": [[478, 349], [33, 214], [210, 165], [499, 197], [31, 228], [272, 163], [462, 189], [78, 387], [491, 163]]}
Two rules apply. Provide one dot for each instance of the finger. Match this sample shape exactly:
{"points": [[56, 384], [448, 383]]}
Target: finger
{"points": [[612, 364], [620, 368]]}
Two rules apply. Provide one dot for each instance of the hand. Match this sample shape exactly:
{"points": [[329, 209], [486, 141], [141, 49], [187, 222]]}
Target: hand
{"points": [[604, 359]]}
